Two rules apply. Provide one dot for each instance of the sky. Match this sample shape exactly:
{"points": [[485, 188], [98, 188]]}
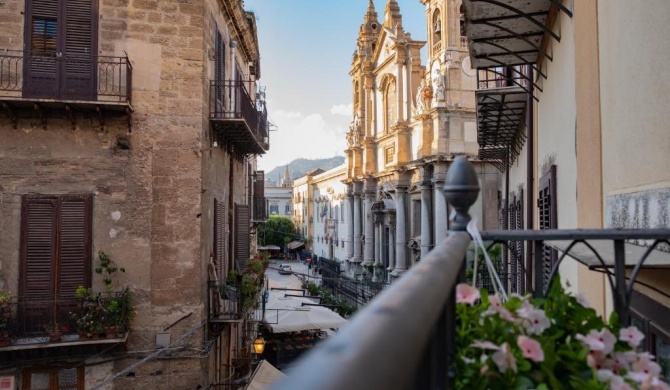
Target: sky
{"points": [[306, 49]]}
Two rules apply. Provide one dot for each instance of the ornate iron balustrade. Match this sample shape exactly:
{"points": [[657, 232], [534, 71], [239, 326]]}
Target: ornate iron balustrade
{"points": [[233, 302], [405, 338], [259, 208], [230, 101], [503, 76], [27, 322], [65, 77]]}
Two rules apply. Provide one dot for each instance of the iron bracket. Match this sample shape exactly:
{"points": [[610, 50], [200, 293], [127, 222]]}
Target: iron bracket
{"points": [[71, 115], [11, 113], [42, 114]]}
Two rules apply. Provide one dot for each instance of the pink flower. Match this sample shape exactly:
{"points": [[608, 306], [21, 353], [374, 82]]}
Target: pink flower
{"points": [[530, 349], [644, 366], [631, 335], [536, 321], [466, 294], [602, 341], [596, 359], [504, 359], [605, 375], [496, 302], [485, 345], [617, 383]]}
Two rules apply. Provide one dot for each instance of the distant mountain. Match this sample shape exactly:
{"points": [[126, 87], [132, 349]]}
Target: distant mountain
{"points": [[299, 167]]}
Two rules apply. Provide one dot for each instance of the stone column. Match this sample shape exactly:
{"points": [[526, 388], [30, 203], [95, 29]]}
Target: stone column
{"points": [[400, 231], [357, 226], [350, 222], [441, 216], [369, 252], [378, 244], [426, 213], [390, 240]]}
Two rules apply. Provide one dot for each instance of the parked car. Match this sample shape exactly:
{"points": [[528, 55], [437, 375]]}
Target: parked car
{"points": [[285, 269]]}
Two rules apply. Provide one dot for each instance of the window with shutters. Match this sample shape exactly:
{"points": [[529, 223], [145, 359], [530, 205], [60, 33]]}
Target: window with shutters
{"points": [[219, 69], [242, 225], [56, 378], [547, 214], [61, 49], [55, 255], [220, 239]]}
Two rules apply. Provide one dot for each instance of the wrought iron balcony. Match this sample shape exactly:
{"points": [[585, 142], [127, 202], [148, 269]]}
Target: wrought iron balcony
{"points": [[259, 209], [406, 337], [233, 302], [44, 82], [237, 120], [29, 324]]}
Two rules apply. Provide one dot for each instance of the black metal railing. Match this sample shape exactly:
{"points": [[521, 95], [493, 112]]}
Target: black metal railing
{"points": [[232, 301], [405, 338], [65, 77], [231, 100], [503, 76], [259, 208], [27, 321]]}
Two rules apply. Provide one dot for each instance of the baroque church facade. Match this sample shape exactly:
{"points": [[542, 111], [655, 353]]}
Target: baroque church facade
{"points": [[410, 121]]}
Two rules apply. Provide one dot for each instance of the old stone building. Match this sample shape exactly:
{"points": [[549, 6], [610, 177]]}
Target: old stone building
{"points": [[128, 127], [409, 121]]}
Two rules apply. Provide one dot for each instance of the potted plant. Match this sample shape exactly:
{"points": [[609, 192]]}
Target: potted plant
{"points": [[553, 343], [54, 331], [5, 339], [6, 304]]}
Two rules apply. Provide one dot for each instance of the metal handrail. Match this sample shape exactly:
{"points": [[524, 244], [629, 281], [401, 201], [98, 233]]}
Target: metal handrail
{"points": [[110, 76], [360, 356]]}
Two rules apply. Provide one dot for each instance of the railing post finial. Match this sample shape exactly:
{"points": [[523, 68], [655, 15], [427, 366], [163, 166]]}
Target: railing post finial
{"points": [[461, 189]]}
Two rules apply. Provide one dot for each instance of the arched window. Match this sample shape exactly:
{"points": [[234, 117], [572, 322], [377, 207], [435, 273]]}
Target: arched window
{"points": [[390, 100], [437, 26], [462, 21]]}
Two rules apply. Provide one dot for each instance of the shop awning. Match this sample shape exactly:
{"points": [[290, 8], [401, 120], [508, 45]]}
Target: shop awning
{"points": [[510, 32], [287, 314], [264, 376], [295, 245], [269, 248]]}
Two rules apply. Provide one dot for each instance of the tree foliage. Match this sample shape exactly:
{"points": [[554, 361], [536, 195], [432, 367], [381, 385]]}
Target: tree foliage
{"points": [[277, 230]]}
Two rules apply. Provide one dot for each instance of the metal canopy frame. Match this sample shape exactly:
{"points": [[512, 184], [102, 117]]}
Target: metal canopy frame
{"points": [[511, 31], [500, 118]]}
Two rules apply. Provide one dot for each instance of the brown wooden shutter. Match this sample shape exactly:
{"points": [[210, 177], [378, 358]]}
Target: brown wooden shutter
{"points": [[74, 248], [548, 219], [220, 231], [41, 37], [259, 209], [520, 279], [242, 225], [79, 49]]}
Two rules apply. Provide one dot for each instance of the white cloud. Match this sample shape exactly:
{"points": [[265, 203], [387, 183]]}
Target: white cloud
{"points": [[342, 109], [303, 136]]}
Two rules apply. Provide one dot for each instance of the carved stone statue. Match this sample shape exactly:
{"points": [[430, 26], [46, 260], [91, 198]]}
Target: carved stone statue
{"points": [[421, 105], [438, 85]]}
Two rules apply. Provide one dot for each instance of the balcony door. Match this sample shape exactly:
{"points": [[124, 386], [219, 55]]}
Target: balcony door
{"points": [[55, 257], [60, 49]]}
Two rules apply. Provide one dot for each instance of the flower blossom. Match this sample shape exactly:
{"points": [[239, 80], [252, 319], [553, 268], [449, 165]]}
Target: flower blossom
{"points": [[602, 341], [644, 368], [536, 321], [485, 345], [631, 335], [530, 349], [496, 307], [466, 294], [504, 359]]}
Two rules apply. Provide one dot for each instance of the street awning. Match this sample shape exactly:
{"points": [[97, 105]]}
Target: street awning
{"points": [[269, 248], [295, 245], [510, 32], [287, 314], [264, 376]]}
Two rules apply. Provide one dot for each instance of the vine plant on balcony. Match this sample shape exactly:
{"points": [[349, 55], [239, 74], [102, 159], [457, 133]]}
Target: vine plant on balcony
{"points": [[553, 343]]}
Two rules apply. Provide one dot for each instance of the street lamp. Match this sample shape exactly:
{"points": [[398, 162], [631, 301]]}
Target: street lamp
{"points": [[259, 345]]}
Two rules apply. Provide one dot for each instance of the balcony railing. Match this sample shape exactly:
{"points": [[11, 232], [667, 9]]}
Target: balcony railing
{"points": [[30, 323], [68, 77], [231, 106], [229, 302], [501, 77], [259, 208], [405, 338]]}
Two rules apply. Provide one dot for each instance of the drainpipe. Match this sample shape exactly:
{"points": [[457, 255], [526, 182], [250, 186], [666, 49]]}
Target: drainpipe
{"points": [[530, 178]]}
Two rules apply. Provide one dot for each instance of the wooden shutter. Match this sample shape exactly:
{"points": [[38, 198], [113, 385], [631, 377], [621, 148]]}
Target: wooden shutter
{"points": [[259, 197], [520, 279], [41, 37], [548, 219], [220, 231], [242, 225], [55, 255], [79, 49], [219, 71], [74, 247]]}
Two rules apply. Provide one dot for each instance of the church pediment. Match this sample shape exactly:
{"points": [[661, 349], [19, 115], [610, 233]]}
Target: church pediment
{"points": [[385, 47]]}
